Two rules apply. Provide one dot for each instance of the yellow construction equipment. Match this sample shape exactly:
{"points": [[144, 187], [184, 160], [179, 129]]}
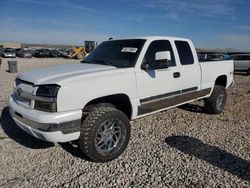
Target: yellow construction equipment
{"points": [[78, 53], [81, 51]]}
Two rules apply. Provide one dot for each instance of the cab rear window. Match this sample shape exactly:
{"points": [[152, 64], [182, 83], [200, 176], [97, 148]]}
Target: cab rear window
{"points": [[185, 52]]}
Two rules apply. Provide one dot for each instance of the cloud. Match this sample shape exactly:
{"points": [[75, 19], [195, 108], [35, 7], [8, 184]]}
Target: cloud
{"points": [[223, 41], [151, 17], [245, 27], [62, 3], [209, 8], [241, 42], [178, 9], [47, 35], [35, 21]]}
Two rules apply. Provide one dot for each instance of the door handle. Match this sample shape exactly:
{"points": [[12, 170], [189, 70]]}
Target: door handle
{"points": [[177, 74]]}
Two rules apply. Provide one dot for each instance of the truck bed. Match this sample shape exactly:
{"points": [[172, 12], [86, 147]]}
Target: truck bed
{"points": [[210, 70]]}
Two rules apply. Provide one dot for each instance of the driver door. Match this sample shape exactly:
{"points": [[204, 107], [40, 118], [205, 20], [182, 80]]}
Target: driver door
{"points": [[157, 85]]}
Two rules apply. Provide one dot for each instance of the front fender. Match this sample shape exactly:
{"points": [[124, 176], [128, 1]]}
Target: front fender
{"points": [[76, 93]]}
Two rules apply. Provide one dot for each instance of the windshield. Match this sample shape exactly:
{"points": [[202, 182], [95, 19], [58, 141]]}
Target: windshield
{"points": [[230, 57], [9, 51], [118, 53]]}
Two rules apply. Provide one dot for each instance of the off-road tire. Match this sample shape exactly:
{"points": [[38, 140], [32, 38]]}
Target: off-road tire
{"points": [[211, 105], [90, 126]]}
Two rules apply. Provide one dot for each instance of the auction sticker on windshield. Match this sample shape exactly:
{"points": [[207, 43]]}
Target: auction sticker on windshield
{"points": [[129, 49]]}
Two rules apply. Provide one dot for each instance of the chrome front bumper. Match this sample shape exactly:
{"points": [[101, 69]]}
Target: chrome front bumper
{"points": [[51, 127]]}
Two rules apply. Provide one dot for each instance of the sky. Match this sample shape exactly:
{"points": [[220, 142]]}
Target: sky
{"points": [[208, 23]]}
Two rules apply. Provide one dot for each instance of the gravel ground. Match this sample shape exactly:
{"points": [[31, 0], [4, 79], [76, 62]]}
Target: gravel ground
{"points": [[180, 147]]}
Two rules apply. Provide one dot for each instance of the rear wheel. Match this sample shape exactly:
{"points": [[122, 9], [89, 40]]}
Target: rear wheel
{"points": [[217, 101], [248, 72], [104, 134]]}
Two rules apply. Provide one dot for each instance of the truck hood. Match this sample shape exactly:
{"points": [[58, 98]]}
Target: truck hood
{"points": [[52, 75]]}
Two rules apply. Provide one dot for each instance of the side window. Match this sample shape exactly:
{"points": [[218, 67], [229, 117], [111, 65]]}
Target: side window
{"points": [[236, 57], [158, 46], [245, 57], [239, 57], [185, 52]]}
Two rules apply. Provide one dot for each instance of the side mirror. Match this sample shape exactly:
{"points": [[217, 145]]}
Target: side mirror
{"points": [[164, 55], [162, 61]]}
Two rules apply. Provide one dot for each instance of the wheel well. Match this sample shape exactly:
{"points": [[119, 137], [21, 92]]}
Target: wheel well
{"points": [[120, 101], [221, 80]]}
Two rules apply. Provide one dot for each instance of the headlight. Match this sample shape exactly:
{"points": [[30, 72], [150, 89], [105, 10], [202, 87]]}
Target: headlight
{"points": [[46, 98], [47, 90]]}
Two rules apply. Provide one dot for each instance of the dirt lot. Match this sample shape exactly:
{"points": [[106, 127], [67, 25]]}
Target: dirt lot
{"points": [[176, 148]]}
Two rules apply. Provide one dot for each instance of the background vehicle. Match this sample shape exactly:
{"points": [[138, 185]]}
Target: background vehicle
{"points": [[212, 57], [9, 53], [78, 53], [65, 52], [24, 54], [241, 62], [42, 53], [81, 51], [1, 52], [119, 81], [55, 53]]}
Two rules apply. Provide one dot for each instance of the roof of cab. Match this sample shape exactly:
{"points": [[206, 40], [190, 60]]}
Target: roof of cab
{"points": [[154, 38]]}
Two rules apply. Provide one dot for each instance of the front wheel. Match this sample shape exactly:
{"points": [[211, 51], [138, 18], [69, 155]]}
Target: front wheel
{"points": [[104, 134], [217, 101]]}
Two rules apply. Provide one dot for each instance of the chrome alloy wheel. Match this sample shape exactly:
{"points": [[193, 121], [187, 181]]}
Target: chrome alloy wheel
{"points": [[109, 135], [220, 101]]}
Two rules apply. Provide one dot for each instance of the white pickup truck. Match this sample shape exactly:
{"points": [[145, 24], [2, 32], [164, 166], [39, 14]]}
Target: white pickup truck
{"points": [[121, 80]]}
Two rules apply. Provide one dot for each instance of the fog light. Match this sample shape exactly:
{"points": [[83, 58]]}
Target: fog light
{"points": [[45, 106]]}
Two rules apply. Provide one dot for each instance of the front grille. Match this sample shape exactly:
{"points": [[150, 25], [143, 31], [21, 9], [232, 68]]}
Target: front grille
{"points": [[26, 87]]}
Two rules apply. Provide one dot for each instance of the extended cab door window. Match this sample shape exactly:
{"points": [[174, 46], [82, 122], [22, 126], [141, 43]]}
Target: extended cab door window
{"points": [[185, 52], [158, 46], [190, 68]]}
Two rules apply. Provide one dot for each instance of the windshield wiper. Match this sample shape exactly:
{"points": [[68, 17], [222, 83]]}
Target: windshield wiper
{"points": [[98, 61], [102, 62], [83, 61]]}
